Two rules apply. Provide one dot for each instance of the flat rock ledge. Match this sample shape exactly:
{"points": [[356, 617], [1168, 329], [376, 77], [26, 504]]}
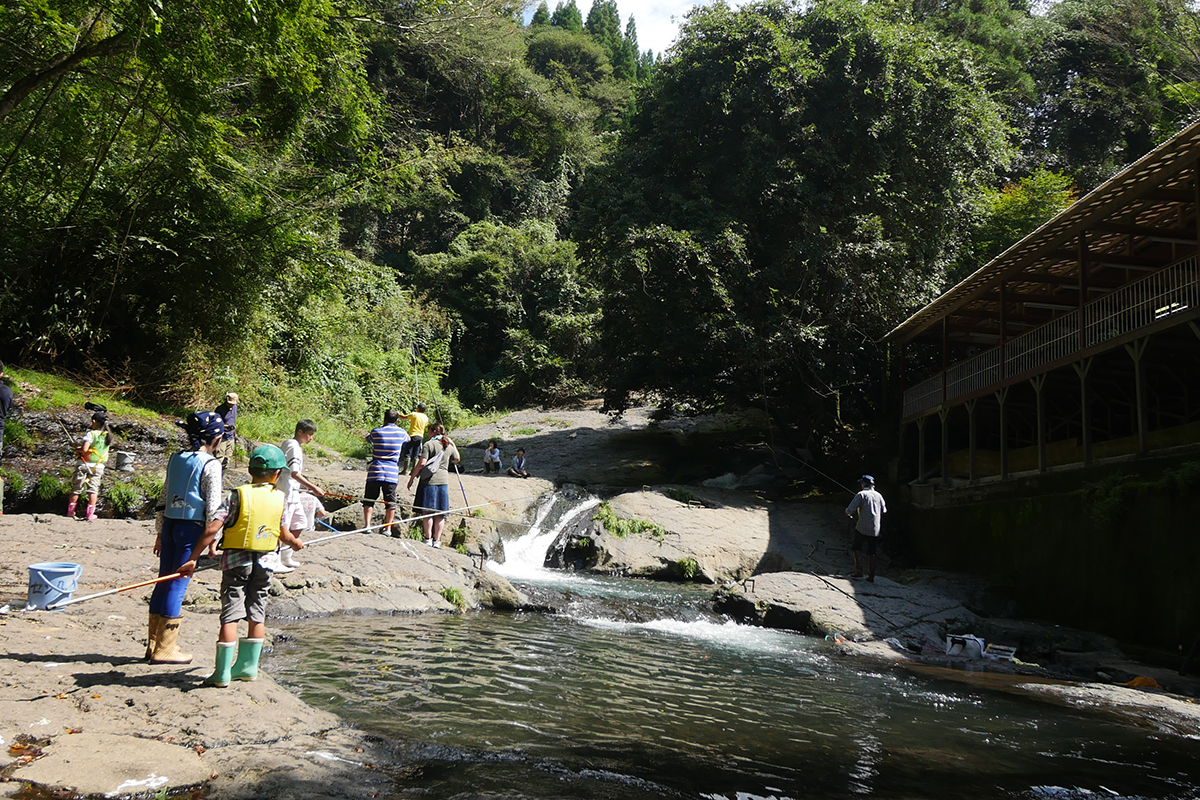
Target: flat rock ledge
{"points": [[82, 713], [908, 624]]}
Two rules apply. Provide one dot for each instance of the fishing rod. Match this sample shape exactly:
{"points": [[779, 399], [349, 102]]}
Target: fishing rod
{"points": [[453, 511], [171, 577]]}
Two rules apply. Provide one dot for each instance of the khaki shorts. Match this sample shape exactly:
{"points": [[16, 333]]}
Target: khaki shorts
{"points": [[87, 476], [224, 452], [244, 593]]}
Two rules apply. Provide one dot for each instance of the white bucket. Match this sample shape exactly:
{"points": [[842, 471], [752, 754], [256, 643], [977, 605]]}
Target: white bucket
{"points": [[124, 460], [51, 582]]}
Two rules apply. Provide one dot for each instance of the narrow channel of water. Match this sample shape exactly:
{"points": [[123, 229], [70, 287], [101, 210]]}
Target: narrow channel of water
{"points": [[638, 691]]}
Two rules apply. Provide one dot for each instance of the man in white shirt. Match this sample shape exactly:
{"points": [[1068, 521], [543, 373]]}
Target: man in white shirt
{"points": [[870, 507]]}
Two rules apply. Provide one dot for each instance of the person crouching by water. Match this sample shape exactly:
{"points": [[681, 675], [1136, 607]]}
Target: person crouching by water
{"points": [[491, 458], [254, 525], [190, 510], [517, 470], [433, 490], [870, 507], [93, 455]]}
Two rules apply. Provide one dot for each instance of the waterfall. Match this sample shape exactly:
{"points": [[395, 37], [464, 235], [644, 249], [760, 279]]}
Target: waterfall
{"points": [[524, 557]]}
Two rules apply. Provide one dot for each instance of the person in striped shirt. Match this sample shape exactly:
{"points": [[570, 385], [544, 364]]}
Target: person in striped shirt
{"points": [[383, 472]]}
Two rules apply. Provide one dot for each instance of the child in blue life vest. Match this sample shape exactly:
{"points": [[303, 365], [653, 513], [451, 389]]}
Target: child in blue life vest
{"points": [[93, 455], [190, 509], [254, 525]]}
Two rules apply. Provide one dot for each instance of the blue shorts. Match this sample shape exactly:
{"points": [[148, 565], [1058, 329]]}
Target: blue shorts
{"points": [[432, 498]]}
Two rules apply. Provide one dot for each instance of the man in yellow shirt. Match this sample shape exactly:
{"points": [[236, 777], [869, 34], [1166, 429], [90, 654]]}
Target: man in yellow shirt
{"points": [[417, 422]]}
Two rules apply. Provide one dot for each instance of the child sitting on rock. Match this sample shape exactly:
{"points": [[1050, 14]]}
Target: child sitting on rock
{"points": [[253, 527]]}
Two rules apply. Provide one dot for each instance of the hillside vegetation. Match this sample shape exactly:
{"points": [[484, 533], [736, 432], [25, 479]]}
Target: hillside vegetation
{"points": [[338, 207]]}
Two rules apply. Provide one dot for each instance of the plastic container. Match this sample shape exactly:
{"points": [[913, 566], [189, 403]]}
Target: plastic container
{"points": [[51, 582]]}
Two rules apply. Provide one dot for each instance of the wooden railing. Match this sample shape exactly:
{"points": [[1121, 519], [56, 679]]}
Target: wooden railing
{"points": [[1138, 305]]}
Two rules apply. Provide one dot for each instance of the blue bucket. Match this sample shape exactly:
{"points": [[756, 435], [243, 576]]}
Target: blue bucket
{"points": [[51, 582]]}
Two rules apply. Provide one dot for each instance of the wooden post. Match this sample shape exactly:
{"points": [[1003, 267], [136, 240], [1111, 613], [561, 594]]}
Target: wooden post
{"points": [[1003, 333], [1039, 383], [1082, 368], [1083, 289], [945, 353], [972, 476], [921, 449], [1136, 350], [1001, 397], [944, 415]]}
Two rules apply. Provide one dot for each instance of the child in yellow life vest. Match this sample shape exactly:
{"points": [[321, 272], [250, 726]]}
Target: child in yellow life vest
{"points": [[254, 525], [93, 455]]}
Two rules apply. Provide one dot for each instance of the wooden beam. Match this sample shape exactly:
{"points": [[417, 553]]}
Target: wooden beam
{"points": [[1113, 259], [1170, 195], [1170, 235]]}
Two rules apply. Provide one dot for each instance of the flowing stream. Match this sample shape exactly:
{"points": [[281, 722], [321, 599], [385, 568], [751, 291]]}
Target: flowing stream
{"points": [[637, 690]]}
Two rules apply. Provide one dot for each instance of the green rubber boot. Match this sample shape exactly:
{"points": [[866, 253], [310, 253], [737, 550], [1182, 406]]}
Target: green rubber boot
{"points": [[220, 676], [246, 666]]}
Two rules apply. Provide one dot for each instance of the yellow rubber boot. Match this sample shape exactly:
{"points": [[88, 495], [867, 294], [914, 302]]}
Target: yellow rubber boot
{"points": [[220, 676], [166, 650], [152, 634]]}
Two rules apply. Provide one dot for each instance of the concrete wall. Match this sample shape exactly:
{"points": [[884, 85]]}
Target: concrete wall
{"points": [[1120, 556]]}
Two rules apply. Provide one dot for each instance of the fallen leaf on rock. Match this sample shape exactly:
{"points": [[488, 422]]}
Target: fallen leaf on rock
{"points": [[60, 697], [199, 748], [95, 697], [74, 730]]}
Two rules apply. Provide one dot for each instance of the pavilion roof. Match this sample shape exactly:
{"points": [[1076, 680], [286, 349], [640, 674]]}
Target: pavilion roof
{"points": [[1141, 219]]}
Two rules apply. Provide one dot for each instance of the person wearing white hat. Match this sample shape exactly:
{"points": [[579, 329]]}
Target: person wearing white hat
{"points": [[870, 508]]}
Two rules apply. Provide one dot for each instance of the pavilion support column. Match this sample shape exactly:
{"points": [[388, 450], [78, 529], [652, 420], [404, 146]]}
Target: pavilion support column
{"points": [[1002, 398], [1082, 368], [944, 416], [1039, 383], [972, 475], [1136, 350], [921, 449]]}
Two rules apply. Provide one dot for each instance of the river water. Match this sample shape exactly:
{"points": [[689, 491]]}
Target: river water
{"points": [[636, 690]]}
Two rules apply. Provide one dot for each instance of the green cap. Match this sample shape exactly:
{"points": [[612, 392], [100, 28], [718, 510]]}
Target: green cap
{"points": [[267, 457]]}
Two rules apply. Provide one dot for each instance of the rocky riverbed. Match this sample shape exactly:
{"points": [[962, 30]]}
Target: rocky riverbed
{"points": [[81, 711]]}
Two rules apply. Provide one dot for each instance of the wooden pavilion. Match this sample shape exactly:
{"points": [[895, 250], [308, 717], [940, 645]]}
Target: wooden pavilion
{"points": [[1081, 342]]}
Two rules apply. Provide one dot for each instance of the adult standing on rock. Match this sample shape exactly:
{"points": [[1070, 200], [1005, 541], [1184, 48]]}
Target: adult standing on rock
{"points": [[416, 421], [190, 510], [228, 413], [433, 490], [383, 473], [870, 507]]}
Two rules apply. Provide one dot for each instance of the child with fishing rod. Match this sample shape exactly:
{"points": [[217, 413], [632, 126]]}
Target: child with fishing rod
{"points": [[292, 481], [433, 488], [255, 524], [190, 511], [93, 455]]}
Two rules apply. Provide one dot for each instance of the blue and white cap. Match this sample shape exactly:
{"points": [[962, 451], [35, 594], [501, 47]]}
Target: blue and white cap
{"points": [[202, 426], [867, 479]]}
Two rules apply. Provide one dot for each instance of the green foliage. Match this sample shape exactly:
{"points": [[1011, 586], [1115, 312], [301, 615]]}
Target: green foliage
{"points": [[524, 431], [124, 499], [50, 488], [454, 596], [527, 316], [688, 567], [1108, 75], [1008, 214], [150, 485], [461, 548], [15, 435], [59, 391], [621, 528], [13, 482], [567, 16], [682, 496], [823, 202]]}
